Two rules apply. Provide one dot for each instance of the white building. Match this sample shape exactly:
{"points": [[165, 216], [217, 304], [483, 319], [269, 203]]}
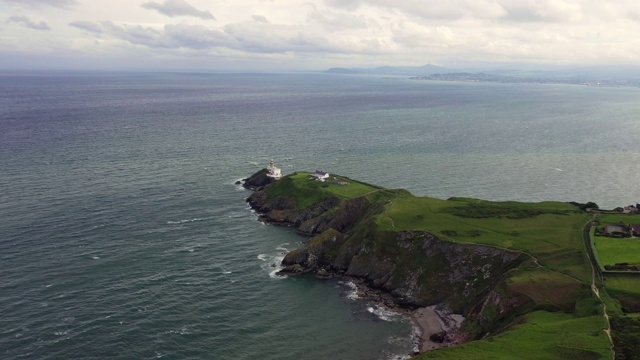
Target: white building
{"points": [[320, 175], [273, 171]]}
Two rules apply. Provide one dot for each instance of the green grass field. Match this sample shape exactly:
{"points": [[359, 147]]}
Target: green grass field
{"points": [[308, 191], [620, 218], [614, 250], [543, 336], [627, 284], [549, 231]]}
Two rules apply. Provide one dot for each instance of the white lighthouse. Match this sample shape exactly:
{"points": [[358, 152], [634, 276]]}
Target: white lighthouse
{"points": [[273, 171]]}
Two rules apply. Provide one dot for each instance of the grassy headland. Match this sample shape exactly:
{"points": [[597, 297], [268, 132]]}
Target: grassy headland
{"points": [[517, 271]]}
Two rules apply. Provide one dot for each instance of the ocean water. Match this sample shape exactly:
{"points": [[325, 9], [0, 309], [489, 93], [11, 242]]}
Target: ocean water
{"points": [[123, 235]]}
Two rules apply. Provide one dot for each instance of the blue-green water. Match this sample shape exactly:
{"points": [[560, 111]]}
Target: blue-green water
{"points": [[122, 234]]}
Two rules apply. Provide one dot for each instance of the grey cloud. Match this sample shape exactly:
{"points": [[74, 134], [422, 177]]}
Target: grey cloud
{"points": [[173, 8], [346, 4], [266, 38], [336, 22], [251, 37], [25, 21], [54, 3], [260, 18], [546, 11], [510, 10], [197, 37], [87, 26], [169, 37]]}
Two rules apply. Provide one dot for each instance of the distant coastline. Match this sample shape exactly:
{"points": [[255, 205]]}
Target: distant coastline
{"points": [[483, 77]]}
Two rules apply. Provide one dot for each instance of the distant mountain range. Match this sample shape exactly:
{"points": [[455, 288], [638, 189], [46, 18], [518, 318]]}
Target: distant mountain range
{"points": [[591, 75], [425, 70]]}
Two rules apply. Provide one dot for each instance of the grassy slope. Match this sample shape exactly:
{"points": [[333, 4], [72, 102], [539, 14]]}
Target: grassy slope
{"points": [[627, 284], [549, 231], [620, 218], [553, 238], [624, 289], [614, 250], [544, 335]]}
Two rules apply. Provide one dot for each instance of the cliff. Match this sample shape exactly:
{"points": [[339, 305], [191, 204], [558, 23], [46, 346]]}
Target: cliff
{"points": [[465, 256]]}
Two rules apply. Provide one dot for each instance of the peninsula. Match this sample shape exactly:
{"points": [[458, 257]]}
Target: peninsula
{"points": [[482, 279]]}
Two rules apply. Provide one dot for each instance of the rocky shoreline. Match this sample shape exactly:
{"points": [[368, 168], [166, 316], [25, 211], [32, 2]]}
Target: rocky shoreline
{"points": [[433, 326], [410, 271]]}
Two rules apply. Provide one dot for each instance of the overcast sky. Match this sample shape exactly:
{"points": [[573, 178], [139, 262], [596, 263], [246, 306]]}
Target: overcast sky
{"points": [[239, 35]]}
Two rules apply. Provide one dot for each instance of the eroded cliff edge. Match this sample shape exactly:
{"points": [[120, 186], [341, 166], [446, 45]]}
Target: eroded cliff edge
{"points": [[415, 267], [510, 268]]}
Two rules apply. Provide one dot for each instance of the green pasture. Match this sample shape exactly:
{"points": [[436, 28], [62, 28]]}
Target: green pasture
{"points": [[615, 250], [537, 228], [622, 283], [547, 288], [543, 335], [619, 219], [308, 191]]}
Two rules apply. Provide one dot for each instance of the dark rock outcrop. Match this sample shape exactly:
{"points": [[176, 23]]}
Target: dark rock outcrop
{"points": [[258, 180]]}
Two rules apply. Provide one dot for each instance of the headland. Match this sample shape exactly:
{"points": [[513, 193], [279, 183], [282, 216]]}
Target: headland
{"points": [[489, 277]]}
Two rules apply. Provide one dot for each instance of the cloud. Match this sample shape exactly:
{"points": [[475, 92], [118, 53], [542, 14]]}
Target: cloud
{"points": [[260, 18], [248, 37], [87, 26], [54, 3], [332, 21], [448, 10], [541, 10], [173, 8], [25, 21], [195, 37]]}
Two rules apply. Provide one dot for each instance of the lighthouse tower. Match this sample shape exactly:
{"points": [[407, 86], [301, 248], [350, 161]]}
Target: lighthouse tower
{"points": [[273, 171]]}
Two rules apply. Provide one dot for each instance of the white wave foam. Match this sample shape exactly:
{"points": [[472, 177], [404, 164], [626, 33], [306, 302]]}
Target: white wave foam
{"points": [[272, 264], [399, 357], [187, 221], [352, 293], [95, 257], [383, 313], [226, 272]]}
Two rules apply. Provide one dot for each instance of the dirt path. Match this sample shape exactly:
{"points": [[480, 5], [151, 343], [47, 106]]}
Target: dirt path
{"points": [[595, 290]]}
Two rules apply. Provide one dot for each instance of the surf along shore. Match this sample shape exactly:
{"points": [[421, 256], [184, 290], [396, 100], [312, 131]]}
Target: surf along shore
{"points": [[432, 328]]}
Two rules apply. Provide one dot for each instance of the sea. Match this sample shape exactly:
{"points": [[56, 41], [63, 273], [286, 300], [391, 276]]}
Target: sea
{"points": [[124, 236]]}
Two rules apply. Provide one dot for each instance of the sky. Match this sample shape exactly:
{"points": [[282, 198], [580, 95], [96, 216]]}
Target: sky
{"points": [[290, 35]]}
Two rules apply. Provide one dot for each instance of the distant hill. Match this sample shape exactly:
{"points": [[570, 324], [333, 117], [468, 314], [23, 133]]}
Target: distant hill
{"points": [[424, 70]]}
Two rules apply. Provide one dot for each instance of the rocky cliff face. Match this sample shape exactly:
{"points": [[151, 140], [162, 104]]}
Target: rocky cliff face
{"points": [[415, 267]]}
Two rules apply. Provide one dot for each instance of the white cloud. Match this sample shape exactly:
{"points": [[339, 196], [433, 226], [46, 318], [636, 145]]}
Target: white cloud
{"points": [[173, 8], [333, 21], [54, 3], [260, 18], [328, 33], [25, 21]]}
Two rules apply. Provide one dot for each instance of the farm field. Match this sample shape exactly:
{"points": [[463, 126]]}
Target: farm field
{"points": [[621, 283], [615, 250], [543, 336]]}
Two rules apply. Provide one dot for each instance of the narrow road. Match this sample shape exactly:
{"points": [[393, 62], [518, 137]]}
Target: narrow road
{"points": [[594, 287]]}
